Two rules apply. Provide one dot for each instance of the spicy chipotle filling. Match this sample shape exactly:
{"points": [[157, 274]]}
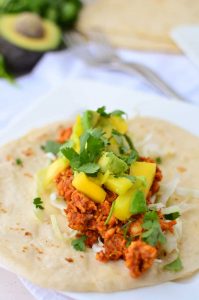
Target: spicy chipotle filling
{"points": [[110, 191]]}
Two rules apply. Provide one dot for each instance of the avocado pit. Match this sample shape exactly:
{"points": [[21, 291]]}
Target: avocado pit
{"points": [[29, 25]]}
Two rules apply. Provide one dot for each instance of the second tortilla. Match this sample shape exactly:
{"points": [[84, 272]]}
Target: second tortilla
{"points": [[139, 24]]}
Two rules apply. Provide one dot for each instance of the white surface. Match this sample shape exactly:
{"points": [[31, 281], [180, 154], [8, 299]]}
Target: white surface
{"points": [[11, 288], [75, 96], [187, 38], [55, 67]]}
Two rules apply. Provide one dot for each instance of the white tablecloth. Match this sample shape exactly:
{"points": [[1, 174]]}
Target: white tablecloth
{"points": [[56, 67]]}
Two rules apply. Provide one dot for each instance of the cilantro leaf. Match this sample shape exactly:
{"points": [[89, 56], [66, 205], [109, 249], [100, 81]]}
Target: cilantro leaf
{"points": [[3, 71], [79, 243], [131, 157], [172, 216], [38, 203], [158, 160], [92, 143], [110, 213], [125, 228], [72, 156], [128, 153], [102, 112], [129, 239], [118, 113], [51, 146], [19, 162], [174, 266], [89, 168], [138, 203], [153, 233]]}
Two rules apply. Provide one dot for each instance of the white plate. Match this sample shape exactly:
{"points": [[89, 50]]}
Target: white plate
{"points": [[76, 96]]}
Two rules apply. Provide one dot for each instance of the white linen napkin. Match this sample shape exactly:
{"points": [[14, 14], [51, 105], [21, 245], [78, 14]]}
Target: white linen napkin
{"points": [[56, 67]]}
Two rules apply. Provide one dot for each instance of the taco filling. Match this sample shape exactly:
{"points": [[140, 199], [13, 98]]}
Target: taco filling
{"points": [[109, 194]]}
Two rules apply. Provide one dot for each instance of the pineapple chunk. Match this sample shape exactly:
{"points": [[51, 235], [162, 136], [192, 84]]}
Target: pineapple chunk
{"points": [[82, 183], [145, 169], [76, 133], [118, 185], [119, 124], [122, 205], [54, 169]]}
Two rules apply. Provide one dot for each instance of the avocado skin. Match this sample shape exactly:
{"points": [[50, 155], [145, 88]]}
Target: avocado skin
{"points": [[18, 61]]}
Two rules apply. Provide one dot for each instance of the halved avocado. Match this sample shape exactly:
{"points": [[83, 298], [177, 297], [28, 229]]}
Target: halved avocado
{"points": [[24, 38]]}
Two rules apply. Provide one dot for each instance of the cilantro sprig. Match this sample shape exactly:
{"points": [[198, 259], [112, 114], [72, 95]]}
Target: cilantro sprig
{"points": [[110, 213], [51, 146], [92, 143], [19, 162], [138, 203], [153, 233], [38, 203], [103, 113], [127, 151], [79, 243]]}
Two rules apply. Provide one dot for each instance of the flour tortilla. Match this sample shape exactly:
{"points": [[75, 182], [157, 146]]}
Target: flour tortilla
{"points": [[41, 257], [139, 24]]}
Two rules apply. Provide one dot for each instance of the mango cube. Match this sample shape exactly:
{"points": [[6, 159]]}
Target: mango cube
{"points": [[119, 124], [122, 205], [83, 184], [145, 169], [119, 185], [58, 166]]}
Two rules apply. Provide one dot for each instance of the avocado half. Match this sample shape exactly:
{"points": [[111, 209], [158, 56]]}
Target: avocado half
{"points": [[24, 38]]}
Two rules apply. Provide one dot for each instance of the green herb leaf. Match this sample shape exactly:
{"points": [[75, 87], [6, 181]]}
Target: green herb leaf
{"points": [[110, 213], [38, 203], [19, 162], [172, 216], [92, 143], [158, 160], [138, 203], [102, 112], [118, 113], [52, 147], [125, 228], [3, 72], [89, 168], [130, 157], [153, 234], [79, 243], [129, 239], [72, 156], [130, 177], [174, 266]]}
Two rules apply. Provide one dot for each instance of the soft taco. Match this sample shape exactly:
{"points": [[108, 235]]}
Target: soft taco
{"points": [[100, 204]]}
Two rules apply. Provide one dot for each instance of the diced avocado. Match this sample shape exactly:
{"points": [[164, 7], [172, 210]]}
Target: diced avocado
{"points": [[90, 119], [83, 184], [110, 162], [145, 169], [118, 185]]}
